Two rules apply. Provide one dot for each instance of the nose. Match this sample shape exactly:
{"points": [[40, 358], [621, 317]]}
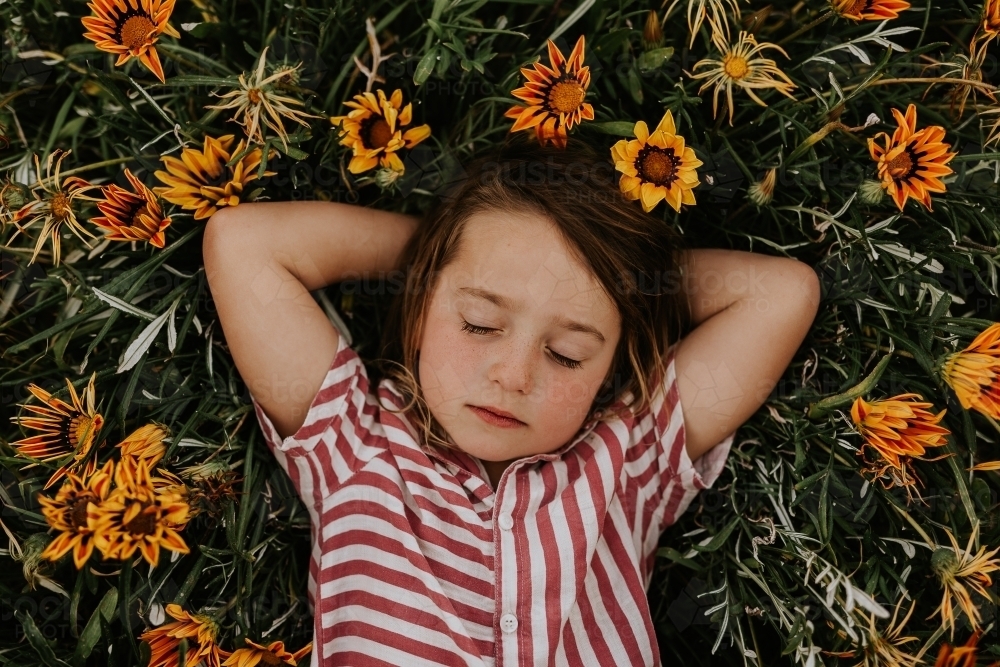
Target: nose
{"points": [[513, 367]]}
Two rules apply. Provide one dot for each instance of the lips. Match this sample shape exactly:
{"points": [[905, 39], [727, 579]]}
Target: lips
{"points": [[496, 417]]}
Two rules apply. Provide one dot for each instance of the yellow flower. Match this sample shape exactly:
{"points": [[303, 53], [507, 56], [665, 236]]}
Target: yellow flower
{"points": [[869, 10], [657, 166], [65, 429], [53, 205], [898, 426], [271, 656], [555, 96], [145, 445], [69, 513], [974, 373], [200, 631], [136, 515], [256, 99], [742, 67], [959, 571], [201, 182], [714, 10], [132, 215], [373, 130], [130, 28], [911, 163]]}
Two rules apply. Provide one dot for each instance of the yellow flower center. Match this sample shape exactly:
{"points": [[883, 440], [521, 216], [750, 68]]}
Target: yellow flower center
{"points": [[375, 132], [902, 165], [254, 95], [143, 523], [852, 7], [60, 206], [736, 67], [135, 31], [78, 512], [566, 96], [658, 166]]}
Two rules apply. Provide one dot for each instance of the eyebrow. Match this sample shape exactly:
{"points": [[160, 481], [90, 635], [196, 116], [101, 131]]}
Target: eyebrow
{"points": [[506, 303]]}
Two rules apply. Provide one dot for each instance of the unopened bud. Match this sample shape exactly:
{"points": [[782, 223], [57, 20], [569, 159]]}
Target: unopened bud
{"points": [[652, 34], [385, 177], [761, 192]]}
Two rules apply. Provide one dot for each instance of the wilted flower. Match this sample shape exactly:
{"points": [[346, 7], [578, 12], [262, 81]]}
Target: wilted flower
{"points": [[138, 516], [53, 205], [657, 166], [740, 66], [201, 181], [13, 196], [716, 11], [959, 571], [70, 511], [898, 426], [132, 215], [761, 192], [257, 100], [373, 130], [974, 373], [130, 28], [885, 649], [66, 430], [869, 10], [200, 631], [273, 655], [911, 163], [555, 96]]}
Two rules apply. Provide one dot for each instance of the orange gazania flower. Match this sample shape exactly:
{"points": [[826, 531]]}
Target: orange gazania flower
{"points": [[53, 206], [657, 166], [132, 215], [130, 28], [869, 10], [911, 163], [554, 95], [991, 18], [136, 515], [200, 631], [201, 182], [898, 426], [65, 429], [374, 130], [959, 571], [68, 513], [974, 373], [959, 656], [271, 656]]}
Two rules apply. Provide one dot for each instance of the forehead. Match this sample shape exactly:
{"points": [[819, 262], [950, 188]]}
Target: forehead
{"points": [[524, 255]]}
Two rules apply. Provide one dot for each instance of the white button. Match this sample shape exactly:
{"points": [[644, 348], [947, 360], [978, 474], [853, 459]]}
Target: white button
{"points": [[508, 623], [506, 522]]}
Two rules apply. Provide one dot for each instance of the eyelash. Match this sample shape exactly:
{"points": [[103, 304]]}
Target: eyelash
{"points": [[483, 331]]}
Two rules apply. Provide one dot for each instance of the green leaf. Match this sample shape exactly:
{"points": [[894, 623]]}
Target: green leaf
{"points": [[37, 640], [615, 127], [92, 632], [720, 538], [656, 58], [425, 66], [818, 410]]}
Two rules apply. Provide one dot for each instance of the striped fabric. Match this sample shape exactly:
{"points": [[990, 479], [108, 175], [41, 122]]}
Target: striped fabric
{"points": [[417, 562]]}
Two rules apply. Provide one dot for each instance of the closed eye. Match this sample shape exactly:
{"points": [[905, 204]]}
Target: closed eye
{"points": [[485, 331]]}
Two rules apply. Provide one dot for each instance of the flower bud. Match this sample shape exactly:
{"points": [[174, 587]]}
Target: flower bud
{"points": [[385, 177], [761, 192], [652, 34], [872, 192]]}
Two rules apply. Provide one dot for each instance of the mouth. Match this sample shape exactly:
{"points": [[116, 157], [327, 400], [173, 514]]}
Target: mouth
{"points": [[496, 417]]}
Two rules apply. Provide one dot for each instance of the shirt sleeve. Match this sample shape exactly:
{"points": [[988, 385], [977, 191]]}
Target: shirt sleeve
{"points": [[330, 444], [664, 479]]}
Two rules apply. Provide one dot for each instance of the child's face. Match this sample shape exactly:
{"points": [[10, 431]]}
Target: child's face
{"points": [[534, 312]]}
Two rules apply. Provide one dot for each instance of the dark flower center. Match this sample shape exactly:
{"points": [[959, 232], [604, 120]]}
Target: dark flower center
{"points": [[270, 659], [144, 523], [60, 206], [254, 95], [375, 132], [658, 165], [904, 165], [78, 513]]}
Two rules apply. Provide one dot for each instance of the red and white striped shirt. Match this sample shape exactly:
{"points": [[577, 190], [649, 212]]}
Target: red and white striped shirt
{"points": [[416, 561]]}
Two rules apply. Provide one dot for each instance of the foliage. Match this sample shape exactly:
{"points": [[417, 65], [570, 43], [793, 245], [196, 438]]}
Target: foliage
{"points": [[802, 549]]}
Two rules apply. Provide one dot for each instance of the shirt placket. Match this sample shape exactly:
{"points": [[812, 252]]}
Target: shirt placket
{"points": [[509, 626]]}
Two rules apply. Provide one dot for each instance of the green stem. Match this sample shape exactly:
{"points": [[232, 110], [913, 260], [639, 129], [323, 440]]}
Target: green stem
{"points": [[807, 27]]}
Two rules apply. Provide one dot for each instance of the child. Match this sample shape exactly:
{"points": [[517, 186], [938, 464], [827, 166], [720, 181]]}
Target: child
{"points": [[495, 496]]}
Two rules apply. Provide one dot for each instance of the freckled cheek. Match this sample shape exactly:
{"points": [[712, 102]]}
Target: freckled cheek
{"points": [[567, 400], [449, 363]]}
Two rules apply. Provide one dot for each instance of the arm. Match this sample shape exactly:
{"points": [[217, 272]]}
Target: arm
{"points": [[752, 312], [262, 260]]}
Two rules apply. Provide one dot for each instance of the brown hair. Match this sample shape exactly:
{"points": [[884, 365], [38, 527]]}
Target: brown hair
{"points": [[633, 255]]}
